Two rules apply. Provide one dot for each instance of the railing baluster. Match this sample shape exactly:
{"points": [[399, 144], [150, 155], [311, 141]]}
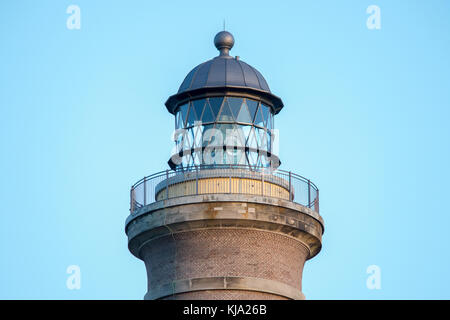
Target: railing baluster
{"points": [[145, 191], [316, 207], [262, 183], [309, 194], [196, 180], [290, 187], [131, 200], [240, 182], [167, 184], [229, 182]]}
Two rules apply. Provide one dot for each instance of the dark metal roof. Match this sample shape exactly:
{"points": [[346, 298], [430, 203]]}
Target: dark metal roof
{"points": [[224, 74], [224, 71]]}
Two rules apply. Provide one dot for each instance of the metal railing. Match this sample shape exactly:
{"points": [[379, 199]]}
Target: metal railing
{"points": [[237, 179]]}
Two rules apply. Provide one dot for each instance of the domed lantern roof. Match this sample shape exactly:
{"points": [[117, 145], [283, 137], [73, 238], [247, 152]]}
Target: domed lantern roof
{"points": [[224, 75]]}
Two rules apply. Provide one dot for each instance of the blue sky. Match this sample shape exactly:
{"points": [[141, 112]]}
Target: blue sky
{"points": [[82, 118]]}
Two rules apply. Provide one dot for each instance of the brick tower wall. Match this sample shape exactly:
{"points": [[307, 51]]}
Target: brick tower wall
{"points": [[225, 253]]}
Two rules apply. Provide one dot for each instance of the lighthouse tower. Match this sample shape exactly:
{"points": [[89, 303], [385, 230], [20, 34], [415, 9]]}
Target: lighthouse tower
{"points": [[224, 221]]}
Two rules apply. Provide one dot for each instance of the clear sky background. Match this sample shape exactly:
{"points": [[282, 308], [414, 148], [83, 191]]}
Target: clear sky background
{"points": [[366, 117]]}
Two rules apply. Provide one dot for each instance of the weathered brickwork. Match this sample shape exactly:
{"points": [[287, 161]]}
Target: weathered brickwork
{"points": [[225, 252]]}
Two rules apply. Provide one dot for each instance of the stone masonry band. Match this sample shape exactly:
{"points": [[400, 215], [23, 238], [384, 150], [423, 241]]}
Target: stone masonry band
{"points": [[189, 288]]}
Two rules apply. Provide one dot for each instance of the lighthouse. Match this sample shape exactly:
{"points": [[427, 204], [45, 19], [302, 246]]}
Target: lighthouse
{"points": [[224, 220]]}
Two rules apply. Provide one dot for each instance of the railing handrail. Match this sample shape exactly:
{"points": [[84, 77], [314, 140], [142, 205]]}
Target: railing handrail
{"points": [[224, 166], [266, 175]]}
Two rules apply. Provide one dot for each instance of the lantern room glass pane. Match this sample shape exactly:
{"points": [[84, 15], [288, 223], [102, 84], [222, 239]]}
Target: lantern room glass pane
{"points": [[192, 116], [252, 106], [198, 106], [178, 122], [208, 115], [270, 121], [259, 119], [238, 136], [265, 112], [235, 105], [225, 113], [244, 114], [206, 137], [252, 141], [215, 104], [262, 138], [223, 127], [183, 112]]}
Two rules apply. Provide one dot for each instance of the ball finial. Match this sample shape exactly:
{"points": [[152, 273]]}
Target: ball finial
{"points": [[224, 41]]}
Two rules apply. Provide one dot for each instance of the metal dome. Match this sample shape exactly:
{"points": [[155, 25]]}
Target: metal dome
{"points": [[224, 71], [224, 74]]}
